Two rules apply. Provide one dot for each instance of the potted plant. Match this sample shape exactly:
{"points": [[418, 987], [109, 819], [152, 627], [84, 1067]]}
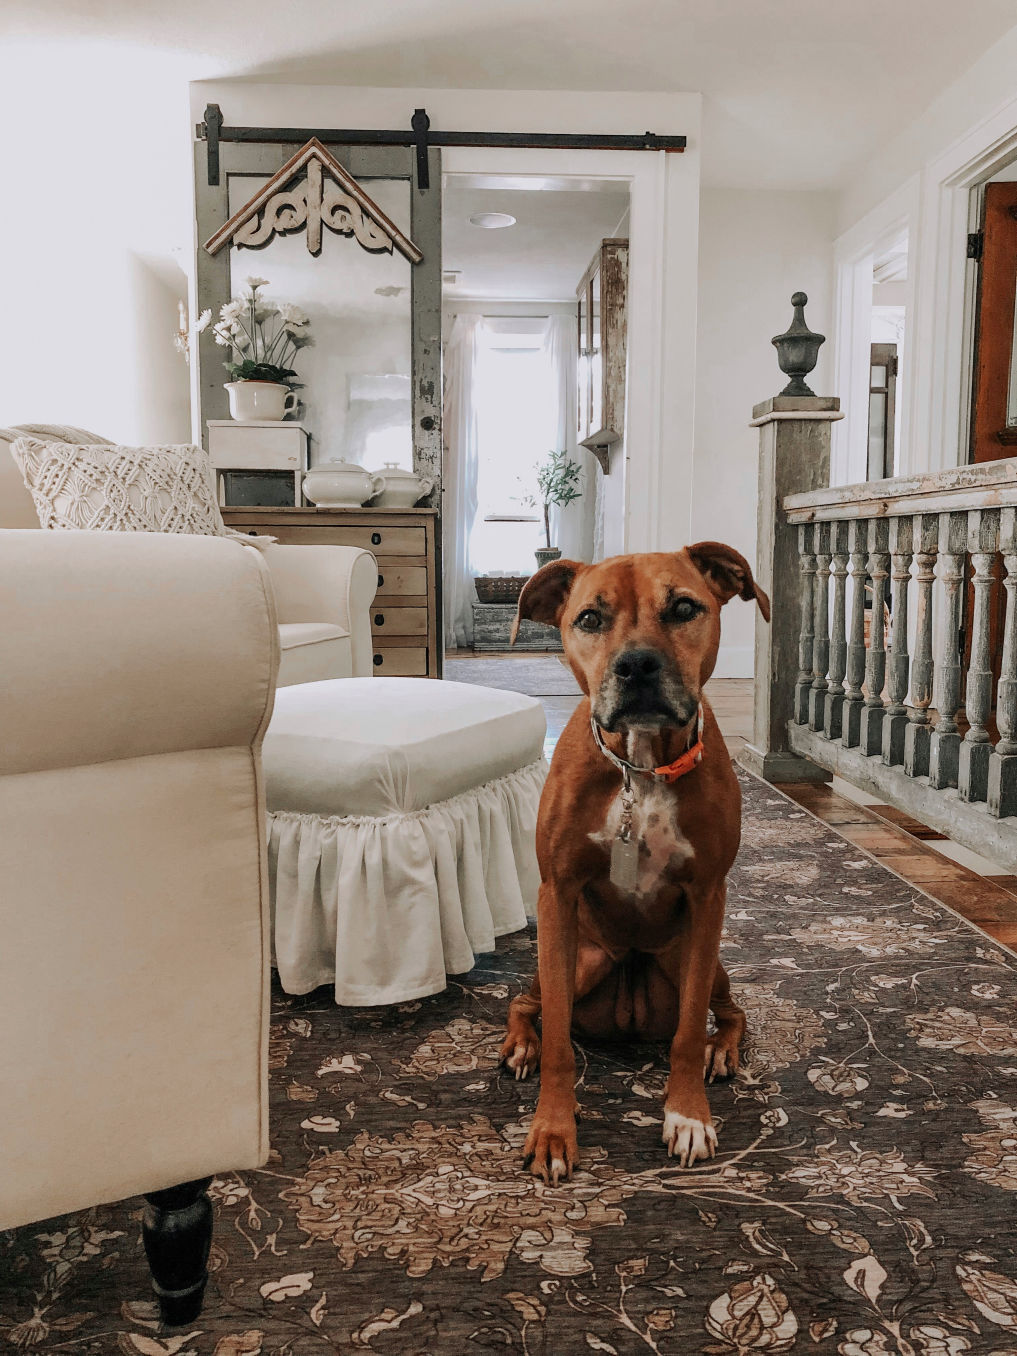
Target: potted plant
{"points": [[264, 339], [557, 477]]}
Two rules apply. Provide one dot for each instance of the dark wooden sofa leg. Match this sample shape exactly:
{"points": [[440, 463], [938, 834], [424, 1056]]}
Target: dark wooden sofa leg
{"points": [[177, 1231]]}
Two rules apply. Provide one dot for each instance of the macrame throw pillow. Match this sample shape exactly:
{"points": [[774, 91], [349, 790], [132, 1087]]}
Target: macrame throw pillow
{"points": [[121, 489]]}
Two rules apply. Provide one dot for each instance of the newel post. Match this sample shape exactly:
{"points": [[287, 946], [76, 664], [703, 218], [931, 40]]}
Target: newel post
{"points": [[794, 456]]}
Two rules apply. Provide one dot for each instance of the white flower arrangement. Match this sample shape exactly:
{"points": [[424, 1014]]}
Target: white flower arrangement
{"points": [[264, 338]]}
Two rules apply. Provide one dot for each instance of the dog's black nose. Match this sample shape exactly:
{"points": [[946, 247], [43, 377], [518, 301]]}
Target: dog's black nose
{"points": [[635, 666]]}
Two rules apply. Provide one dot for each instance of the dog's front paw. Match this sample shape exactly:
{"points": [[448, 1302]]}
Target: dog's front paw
{"points": [[520, 1051], [551, 1150], [688, 1139], [721, 1057]]}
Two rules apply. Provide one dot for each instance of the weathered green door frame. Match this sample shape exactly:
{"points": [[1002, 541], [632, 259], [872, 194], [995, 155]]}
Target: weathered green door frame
{"points": [[366, 162]]}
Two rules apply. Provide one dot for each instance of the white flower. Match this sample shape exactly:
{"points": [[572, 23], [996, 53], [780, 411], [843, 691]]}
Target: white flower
{"points": [[292, 315], [263, 313], [232, 311], [223, 335], [255, 283], [202, 321]]}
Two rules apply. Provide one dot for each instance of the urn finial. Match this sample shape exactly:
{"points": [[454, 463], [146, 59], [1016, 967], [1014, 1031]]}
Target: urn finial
{"points": [[797, 349]]}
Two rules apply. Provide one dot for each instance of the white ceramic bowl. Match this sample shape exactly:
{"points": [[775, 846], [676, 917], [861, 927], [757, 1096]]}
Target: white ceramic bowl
{"points": [[340, 484]]}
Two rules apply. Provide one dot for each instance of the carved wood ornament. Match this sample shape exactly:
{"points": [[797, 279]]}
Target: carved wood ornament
{"points": [[325, 195]]}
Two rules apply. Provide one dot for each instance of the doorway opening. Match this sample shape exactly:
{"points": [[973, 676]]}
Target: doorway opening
{"points": [[526, 336]]}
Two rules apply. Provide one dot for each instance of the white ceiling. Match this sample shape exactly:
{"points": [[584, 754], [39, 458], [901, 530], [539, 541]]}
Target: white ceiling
{"points": [[542, 257], [796, 92]]}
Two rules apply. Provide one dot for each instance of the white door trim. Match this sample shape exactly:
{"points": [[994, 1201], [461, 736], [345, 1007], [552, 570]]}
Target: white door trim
{"points": [[648, 495], [853, 256]]}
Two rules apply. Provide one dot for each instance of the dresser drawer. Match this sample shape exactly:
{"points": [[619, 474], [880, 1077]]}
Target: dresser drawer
{"points": [[383, 541], [397, 621], [401, 663], [401, 581]]}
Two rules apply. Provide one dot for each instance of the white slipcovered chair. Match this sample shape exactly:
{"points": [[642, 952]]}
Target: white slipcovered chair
{"points": [[134, 913], [323, 594]]}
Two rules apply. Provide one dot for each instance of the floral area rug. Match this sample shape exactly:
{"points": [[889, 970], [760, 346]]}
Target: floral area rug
{"points": [[862, 1201]]}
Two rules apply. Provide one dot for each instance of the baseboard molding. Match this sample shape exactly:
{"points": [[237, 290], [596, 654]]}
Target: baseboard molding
{"points": [[735, 661]]}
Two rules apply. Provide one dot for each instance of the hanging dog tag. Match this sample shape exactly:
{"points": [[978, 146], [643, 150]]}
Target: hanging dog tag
{"points": [[624, 864]]}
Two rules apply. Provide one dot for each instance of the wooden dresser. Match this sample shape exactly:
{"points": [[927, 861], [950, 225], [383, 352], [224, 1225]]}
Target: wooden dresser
{"points": [[405, 616]]}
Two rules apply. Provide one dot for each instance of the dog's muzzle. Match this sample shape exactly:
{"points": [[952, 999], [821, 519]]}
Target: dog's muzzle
{"points": [[642, 690]]}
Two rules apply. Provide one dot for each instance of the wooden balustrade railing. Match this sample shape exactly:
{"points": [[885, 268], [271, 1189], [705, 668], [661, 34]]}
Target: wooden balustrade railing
{"points": [[907, 678]]}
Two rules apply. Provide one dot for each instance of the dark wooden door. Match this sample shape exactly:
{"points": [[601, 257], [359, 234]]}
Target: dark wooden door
{"points": [[994, 414]]}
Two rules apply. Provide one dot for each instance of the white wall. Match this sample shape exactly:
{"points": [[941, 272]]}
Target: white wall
{"points": [[95, 230], [921, 180], [756, 248], [975, 95]]}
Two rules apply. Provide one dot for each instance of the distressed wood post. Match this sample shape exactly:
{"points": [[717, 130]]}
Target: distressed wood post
{"points": [[794, 455], [944, 746], [851, 722], [871, 732], [973, 767], [833, 717], [807, 636], [821, 639], [1002, 797], [896, 719], [916, 736]]}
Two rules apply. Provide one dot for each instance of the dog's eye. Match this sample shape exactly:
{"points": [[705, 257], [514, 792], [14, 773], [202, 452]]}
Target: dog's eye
{"points": [[683, 610], [589, 620]]}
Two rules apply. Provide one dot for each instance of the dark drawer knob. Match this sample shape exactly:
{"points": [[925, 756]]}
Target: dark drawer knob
{"points": [[381, 581], [427, 423], [379, 659], [375, 538], [379, 619]]}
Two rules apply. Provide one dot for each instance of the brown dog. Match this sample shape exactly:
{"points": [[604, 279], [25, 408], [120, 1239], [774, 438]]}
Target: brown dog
{"points": [[633, 859]]}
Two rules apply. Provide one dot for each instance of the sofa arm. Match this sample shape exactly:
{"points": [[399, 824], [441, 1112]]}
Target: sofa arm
{"points": [[334, 584], [118, 645]]}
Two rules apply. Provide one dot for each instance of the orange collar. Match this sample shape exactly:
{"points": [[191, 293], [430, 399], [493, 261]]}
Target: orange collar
{"points": [[670, 772]]}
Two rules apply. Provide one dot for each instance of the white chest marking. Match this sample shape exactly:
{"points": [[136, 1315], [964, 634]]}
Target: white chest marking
{"points": [[662, 845]]}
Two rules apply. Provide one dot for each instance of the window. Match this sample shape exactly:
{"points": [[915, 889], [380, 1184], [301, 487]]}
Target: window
{"points": [[517, 425]]}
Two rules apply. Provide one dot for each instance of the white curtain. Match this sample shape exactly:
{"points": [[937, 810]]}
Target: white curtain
{"points": [[459, 509], [571, 526]]}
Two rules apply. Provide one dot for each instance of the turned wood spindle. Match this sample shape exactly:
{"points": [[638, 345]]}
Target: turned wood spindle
{"points": [[1002, 795], [871, 733], [854, 697], [821, 637], [803, 686], [833, 716], [916, 736], [896, 719], [944, 746], [973, 767]]}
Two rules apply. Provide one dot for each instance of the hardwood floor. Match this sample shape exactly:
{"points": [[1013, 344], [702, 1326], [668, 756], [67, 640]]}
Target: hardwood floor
{"points": [[979, 890], [983, 899]]}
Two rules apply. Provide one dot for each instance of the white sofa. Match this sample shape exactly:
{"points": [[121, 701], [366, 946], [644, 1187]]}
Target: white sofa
{"points": [[323, 594], [134, 912]]}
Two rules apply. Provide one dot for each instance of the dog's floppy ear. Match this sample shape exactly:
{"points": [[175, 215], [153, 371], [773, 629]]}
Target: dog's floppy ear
{"points": [[545, 593], [727, 573]]}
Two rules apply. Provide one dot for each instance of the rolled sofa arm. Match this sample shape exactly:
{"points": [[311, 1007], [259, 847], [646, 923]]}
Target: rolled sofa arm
{"points": [[121, 644], [334, 584], [138, 675]]}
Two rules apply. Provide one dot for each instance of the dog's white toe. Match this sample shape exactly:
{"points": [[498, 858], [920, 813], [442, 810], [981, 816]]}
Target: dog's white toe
{"points": [[688, 1140]]}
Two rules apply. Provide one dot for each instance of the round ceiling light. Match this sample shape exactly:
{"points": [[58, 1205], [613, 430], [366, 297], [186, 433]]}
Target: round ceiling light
{"points": [[492, 221]]}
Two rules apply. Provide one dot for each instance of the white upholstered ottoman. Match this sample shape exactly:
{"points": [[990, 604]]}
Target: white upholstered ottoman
{"points": [[402, 814]]}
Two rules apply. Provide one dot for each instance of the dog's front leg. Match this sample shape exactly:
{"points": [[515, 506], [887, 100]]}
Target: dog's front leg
{"points": [[688, 1126], [551, 1150]]}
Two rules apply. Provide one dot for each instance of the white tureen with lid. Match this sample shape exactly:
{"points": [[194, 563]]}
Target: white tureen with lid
{"points": [[400, 488], [340, 484]]}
